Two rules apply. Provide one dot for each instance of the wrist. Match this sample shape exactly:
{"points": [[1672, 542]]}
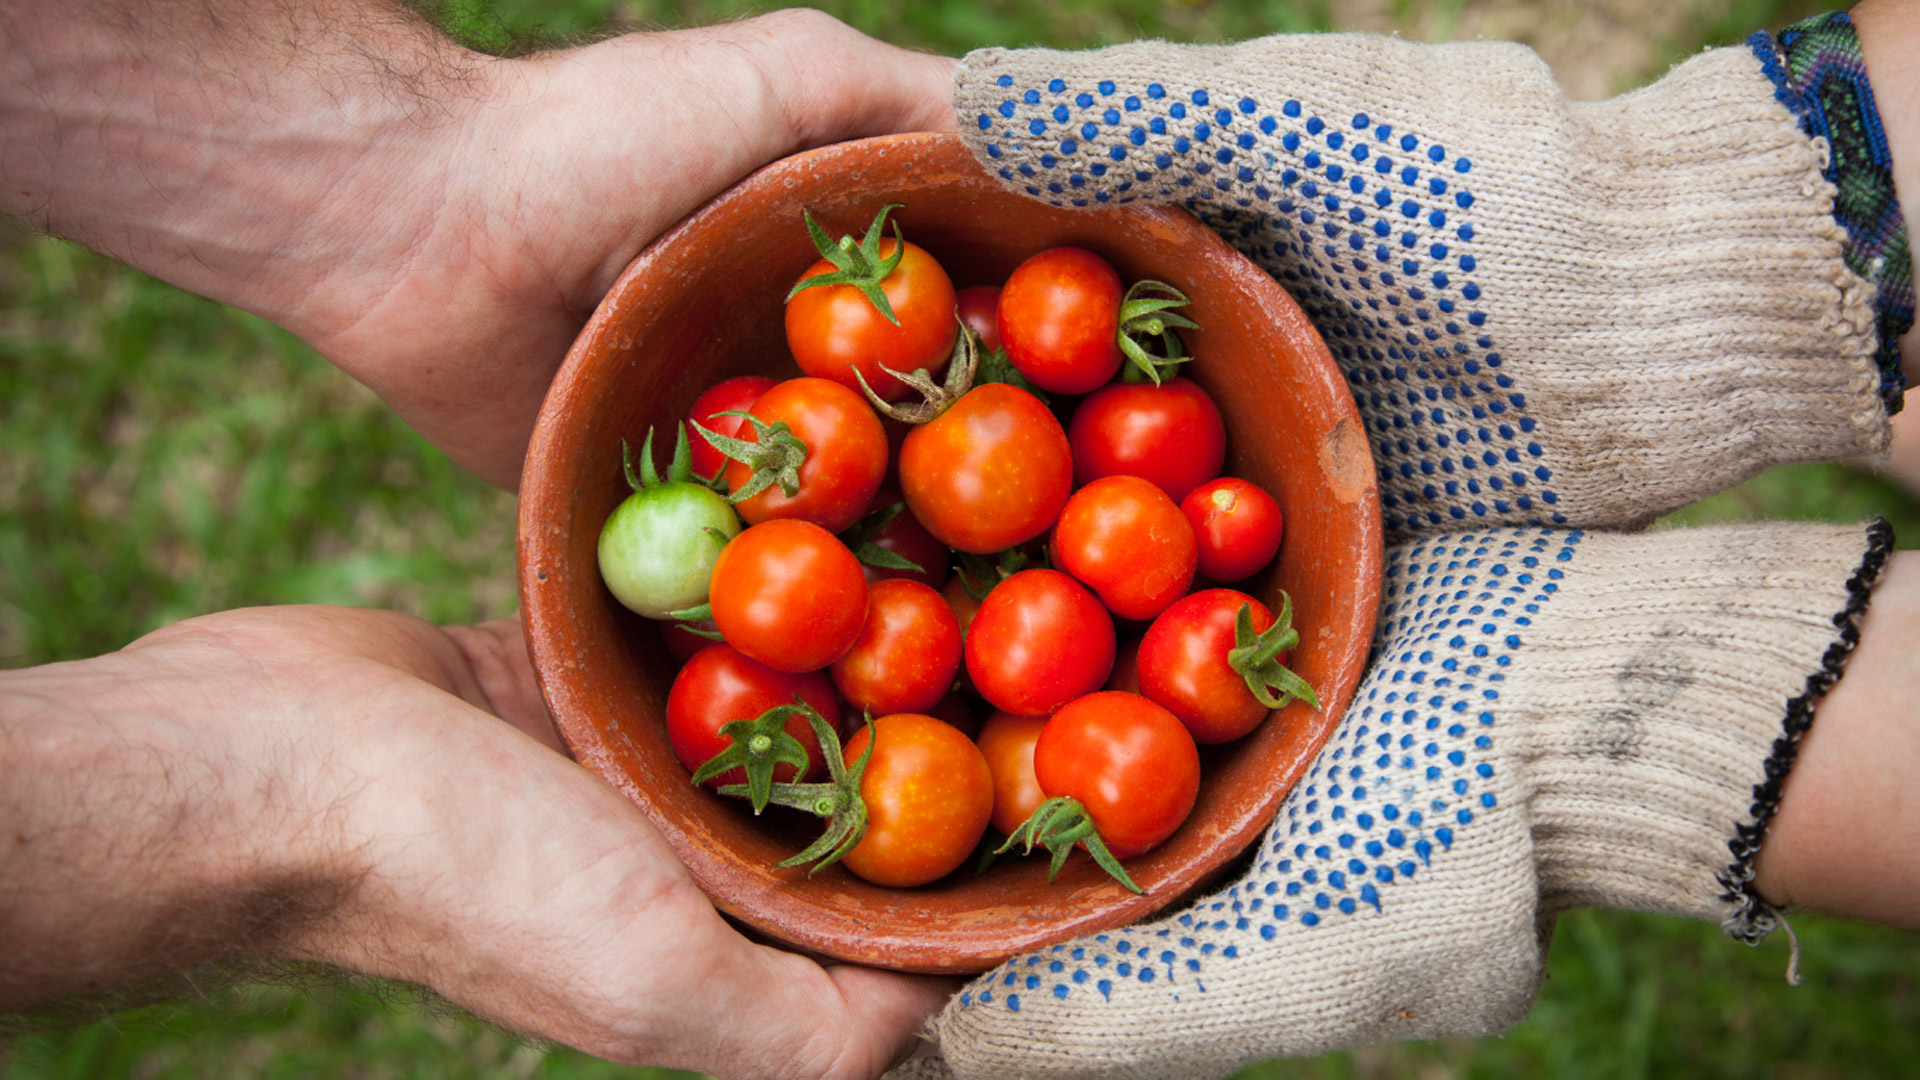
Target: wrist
{"points": [[243, 165], [150, 837]]}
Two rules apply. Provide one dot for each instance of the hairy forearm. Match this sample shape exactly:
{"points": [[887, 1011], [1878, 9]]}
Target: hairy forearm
{"points": [[141, 843], [227, 146]]}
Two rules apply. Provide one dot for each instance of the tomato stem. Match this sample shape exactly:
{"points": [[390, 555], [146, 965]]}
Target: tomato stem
{"points": [[700, 631], [936, 398], [758, 745], [861, 535], [1257, 657], [996, 367], [838, 799], [857, 265], [1057, 825], [679, 471], [979, 574], [774, 456], [1146, 315]]}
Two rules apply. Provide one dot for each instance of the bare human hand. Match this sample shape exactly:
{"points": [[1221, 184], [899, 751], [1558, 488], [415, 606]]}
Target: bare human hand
{"points": [[438, 223], [337, 785]]}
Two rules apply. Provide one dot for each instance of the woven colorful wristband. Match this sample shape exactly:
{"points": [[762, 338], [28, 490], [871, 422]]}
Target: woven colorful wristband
{"points": [[1817, 72]]}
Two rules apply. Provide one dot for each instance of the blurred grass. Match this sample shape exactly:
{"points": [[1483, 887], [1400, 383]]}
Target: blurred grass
{"points": [[162, 456]]}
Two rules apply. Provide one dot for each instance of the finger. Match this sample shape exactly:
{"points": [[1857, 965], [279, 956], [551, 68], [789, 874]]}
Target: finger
{"points": [[496, 650], [840, 1022], [897, 1004], [832, 82]]}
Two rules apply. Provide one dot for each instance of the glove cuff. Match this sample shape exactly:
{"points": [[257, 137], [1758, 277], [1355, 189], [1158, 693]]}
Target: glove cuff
{"points": [[1670, 707]]}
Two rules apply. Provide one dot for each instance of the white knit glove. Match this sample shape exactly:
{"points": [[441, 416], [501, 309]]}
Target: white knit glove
{"points": [[1555, 720], [1549, 312]]}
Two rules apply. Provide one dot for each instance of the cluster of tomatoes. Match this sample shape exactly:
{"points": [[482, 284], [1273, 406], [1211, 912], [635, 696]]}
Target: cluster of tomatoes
{"points": [[820, 549]]}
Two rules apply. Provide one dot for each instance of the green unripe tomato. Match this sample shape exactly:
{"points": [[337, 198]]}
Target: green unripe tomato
{"points": [[656, 550]]}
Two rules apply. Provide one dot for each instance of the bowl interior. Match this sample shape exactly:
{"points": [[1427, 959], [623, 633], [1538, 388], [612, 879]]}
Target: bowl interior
{"points": [[703, 304]]}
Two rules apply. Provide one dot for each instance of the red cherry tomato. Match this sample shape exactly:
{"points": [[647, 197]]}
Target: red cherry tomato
{"points": [[907, 653], [1237, 526], [1007, 742], [834, 329], [1170, 434], [1183, 665], [1127, 541], [1128, 761], [979, 307], [789, 594], [720, 685], [1060, 320], [907, 538], [846, 455], [730, 395], [1038, 641], [929, 795], [990, 473]]}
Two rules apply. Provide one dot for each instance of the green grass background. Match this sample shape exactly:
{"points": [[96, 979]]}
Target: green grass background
{"points": [[162, 456]]}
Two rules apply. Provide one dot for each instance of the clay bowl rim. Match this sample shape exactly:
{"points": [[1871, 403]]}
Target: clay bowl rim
{"points": [[955, 926]]}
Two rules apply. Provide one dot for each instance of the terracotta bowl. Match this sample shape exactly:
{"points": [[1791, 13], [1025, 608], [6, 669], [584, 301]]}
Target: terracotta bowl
{"points": [[703, 304]]}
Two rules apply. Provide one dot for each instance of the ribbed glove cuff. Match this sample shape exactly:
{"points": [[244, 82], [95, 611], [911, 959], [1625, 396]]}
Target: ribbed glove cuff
{"points": [[1659, 726]]}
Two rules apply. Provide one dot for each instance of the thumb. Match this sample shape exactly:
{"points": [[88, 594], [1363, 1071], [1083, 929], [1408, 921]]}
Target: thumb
{"points": [[833, 83]]}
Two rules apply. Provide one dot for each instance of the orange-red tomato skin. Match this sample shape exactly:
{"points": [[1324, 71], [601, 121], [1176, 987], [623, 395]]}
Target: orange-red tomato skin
{"points": [[834, 329], [789, 594], [907, 653], [1130, 762], [990, 473], [846, 455], [1007, 741], [929, 797], [1127, 541]]}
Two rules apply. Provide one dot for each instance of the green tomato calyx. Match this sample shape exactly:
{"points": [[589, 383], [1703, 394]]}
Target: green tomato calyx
{"points": [[858, 265], [1057, 825], [1256, 657], [980, 573], [837, 800], [774, 455], [996, 367], [935, 398], [758, 745], [679, 470], [861, 539], [1147, 322]]}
